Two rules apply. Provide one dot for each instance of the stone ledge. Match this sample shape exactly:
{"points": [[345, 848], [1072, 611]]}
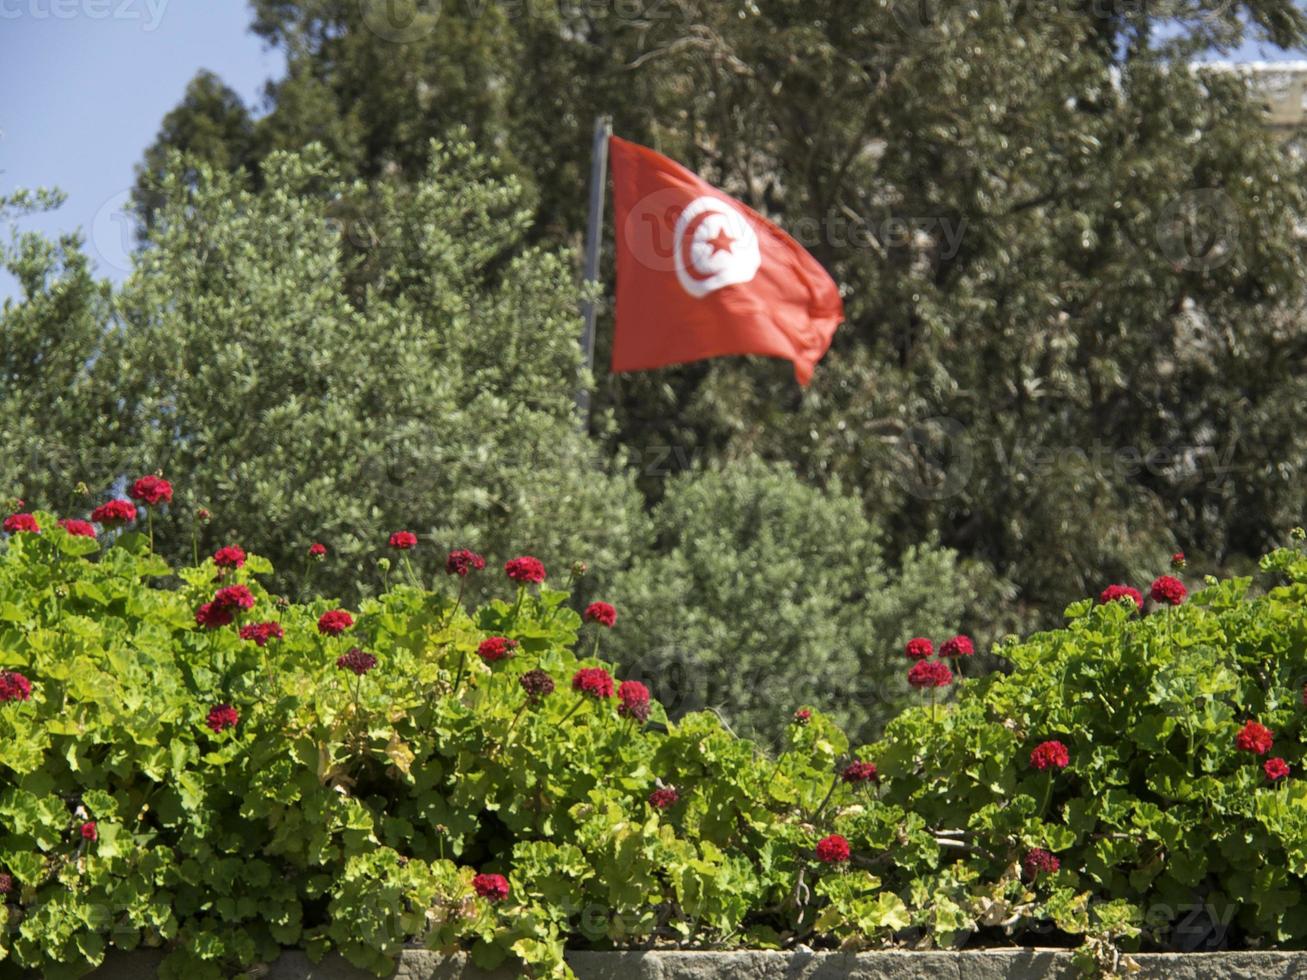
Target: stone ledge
{"points": [[1003, 964]]}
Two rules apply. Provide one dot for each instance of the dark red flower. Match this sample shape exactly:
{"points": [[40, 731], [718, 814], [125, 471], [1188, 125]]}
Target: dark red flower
{"points": [[1275, 769], [89, 832], [1050, 755], [6, 883], [525, 569], [232, 556], [833, 849], [213, 616], [1039, 861], [803, 716], [919, 648], [496, 648], [1254, 738], [664, 798], [78, 529], [203, 516], [403, 540], [959, 646], [221, 717], [860, 772], [594, 681], [234, 597], [462, 561], [494, 888], [21, 524], [14, 686], [1178, 560], [151, 491], [635, 701], [114, 512], [1169, 590], [333, 622], [930, 673], [601, 613], [356, 661], [537, 684], [317, 550], [1114, 592], [261, 633]]}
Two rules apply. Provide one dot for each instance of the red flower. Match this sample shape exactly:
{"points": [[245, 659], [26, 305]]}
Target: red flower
{"points": [[959, 646], [1050, 755], [1275, 769], [78, 529], [1178, 560], [89, 831], [1040, 861], [1114, 592], [203, 516], [333, 622], [537, 684], [1169, 590], [804, 715], [6, 883], [930, 673], [221, 717], [14, 686], [234, 597], [594, 681], [833, 849], [232, 556], [261, 633], [403, 540], [525, 569], [213, 616], [462, 561], [114, 512], [635, 701], [601, 613], [21, 524], [919, 648], [356, 661], [491, 887], [496, 648], [1254, 738], [664, 798], [151, 491], [860, 772], [317, 550]]}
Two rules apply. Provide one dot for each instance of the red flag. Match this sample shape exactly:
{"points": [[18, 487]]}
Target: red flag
{"points": [[701, 275]]}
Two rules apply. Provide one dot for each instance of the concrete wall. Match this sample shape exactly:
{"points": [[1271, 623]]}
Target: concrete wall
{"points": [[984, 965]]}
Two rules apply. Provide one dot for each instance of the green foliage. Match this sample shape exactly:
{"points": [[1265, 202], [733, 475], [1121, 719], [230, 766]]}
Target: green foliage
{"points": [[351, 811], [336, 393], [763, 594]]}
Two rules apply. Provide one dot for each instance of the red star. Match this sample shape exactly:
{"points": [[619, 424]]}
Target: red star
{"points": [[721, 242]]}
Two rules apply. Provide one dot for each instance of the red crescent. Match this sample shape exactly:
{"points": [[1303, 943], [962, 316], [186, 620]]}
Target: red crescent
{"points": [[687, 243]]}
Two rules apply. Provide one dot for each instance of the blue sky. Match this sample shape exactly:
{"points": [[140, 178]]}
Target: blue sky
{"points": [[86, 84]]}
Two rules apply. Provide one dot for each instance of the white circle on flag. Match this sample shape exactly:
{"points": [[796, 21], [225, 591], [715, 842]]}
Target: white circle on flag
{"points": [[715, 246]]}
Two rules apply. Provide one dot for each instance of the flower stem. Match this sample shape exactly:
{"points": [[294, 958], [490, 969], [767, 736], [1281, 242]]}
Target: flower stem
{"points": [[462, 662], [412, 575], [826, 799], [149, 523], [571, 711], [1048, 793]]}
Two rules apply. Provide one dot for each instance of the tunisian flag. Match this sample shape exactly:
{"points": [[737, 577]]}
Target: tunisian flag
{"points": [[701, 275]]}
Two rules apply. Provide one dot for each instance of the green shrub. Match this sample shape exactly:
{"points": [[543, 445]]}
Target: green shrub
{"points": [[353, 809], [763, 593]]}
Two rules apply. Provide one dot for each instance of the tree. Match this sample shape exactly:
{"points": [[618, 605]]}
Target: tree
{"points": [[437, 398], [49, 336], [1071, 265], [763, 595]]}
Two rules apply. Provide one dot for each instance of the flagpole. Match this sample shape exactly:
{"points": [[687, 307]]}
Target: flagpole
{"points": [[593, 237]]}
